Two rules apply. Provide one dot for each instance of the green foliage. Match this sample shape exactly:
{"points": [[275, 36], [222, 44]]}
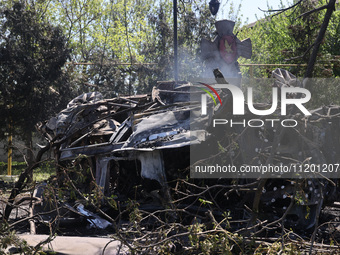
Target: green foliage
{"points": [[213, 242], [33, 85], [287, 39], [44, 171], [107, 33], [205, 202], [41, 173], [324, 91], [76, 182], [134, 216]]}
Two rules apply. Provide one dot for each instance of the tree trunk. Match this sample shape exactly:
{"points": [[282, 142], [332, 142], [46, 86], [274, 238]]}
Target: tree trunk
{"points": [[321, 35]]}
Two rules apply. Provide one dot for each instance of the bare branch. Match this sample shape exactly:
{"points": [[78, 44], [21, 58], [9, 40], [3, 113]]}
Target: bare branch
{"points": [[282, 10]]}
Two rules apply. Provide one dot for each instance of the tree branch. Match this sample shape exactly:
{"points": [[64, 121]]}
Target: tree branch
{"points": [[303, 55], [312, 11], [321, 35], [282, 10]]}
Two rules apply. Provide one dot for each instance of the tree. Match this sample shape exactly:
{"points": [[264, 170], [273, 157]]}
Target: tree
{"points": [[289, 36], [33, 83], [138, 33]]}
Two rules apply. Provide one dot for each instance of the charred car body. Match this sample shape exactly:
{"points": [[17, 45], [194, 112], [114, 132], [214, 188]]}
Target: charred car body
{"points": [[149, 137], [129, 140]]}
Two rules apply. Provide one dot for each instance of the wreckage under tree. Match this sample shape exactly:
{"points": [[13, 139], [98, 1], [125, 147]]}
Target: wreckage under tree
{"points": [[120, 143], [147, 138]]}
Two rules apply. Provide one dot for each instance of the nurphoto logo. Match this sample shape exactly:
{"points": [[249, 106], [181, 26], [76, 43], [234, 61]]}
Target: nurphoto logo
{"points": [[239, 99]]}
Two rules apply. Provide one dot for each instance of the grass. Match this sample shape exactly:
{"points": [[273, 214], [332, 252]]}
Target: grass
{"points": [[43, 172]]}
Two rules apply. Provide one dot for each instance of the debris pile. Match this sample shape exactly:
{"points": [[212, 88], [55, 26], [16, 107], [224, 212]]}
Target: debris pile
{"points": [[137, 152], [151, 135]]}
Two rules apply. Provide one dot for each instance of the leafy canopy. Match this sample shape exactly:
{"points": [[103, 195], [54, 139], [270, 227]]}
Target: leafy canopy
{"points": [[32, 54]]}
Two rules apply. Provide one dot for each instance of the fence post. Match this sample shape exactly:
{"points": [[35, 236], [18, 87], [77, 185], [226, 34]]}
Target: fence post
{"points": [[251, 71]]}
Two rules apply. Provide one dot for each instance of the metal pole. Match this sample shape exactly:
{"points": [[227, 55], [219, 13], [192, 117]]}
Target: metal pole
{"points": [[175, 41]]}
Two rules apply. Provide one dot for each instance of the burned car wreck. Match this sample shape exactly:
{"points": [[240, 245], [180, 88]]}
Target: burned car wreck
{"points": [[124, 129], [128, 140]]}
